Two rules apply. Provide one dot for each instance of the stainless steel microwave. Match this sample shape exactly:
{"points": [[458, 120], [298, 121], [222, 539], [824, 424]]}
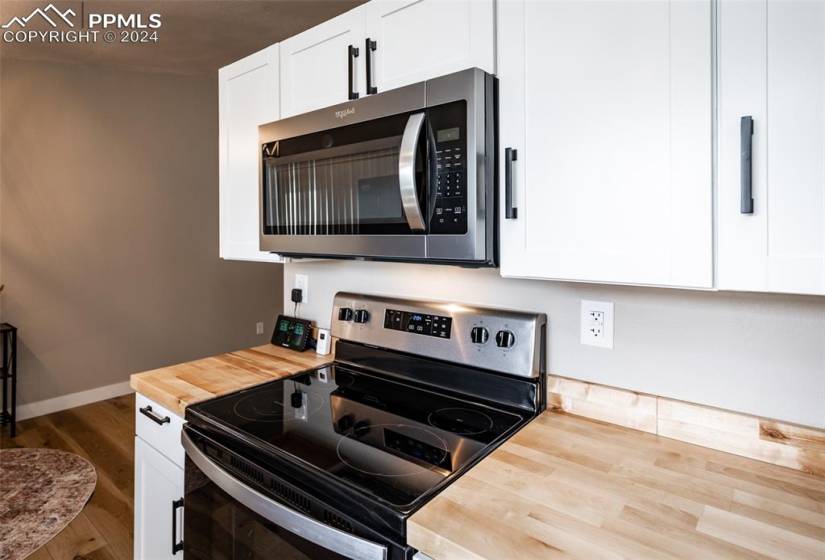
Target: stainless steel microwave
{"points": [[407, 174]]}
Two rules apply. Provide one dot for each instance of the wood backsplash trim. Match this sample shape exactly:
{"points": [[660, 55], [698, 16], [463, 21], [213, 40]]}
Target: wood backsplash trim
{"points": [[797, 447], [599, 402]]}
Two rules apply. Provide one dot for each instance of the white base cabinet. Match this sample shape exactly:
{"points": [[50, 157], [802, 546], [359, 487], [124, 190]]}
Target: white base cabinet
{"points": [[159, 468], [772, 69], [247, 97], [158, 509], [609, 108]]}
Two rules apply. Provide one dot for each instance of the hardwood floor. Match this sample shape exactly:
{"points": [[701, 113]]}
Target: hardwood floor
{"points": [[102, 432]]}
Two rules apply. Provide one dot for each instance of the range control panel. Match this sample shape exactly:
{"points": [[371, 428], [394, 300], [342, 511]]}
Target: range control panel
{"points": [[418, 323], [502, 340]]}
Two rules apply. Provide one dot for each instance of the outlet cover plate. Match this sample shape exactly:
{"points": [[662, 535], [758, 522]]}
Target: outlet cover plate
{"points": [[597, 323]]}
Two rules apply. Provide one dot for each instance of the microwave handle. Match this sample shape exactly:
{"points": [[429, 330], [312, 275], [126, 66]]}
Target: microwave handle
{"points": [[314, 531], [406, 172]]}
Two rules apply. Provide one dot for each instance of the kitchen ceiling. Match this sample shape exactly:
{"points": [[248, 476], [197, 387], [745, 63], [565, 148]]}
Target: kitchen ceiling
{"points": [[197, 36]]}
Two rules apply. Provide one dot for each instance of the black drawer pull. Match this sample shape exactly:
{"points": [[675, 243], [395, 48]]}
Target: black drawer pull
{"points": [[154, 416], [510, 211], [352, 54], [370, 47], [177, 545]]}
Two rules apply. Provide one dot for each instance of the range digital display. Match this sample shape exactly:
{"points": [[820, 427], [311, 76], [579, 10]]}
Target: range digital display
{"points": [[418, 323]]}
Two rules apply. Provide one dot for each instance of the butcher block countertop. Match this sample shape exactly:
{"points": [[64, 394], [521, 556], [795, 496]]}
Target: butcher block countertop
{"points": [[570, 487], [178, 386]]}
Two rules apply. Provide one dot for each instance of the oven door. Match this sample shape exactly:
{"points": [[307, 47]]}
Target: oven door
{"points": [[228, 519]]}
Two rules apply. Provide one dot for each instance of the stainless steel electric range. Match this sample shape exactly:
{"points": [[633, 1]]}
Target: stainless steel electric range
{"points": [[331, 462]]}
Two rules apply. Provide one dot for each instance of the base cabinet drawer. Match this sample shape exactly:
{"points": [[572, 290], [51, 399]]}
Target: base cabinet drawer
{"points": [[159, 427], [158, 505]]}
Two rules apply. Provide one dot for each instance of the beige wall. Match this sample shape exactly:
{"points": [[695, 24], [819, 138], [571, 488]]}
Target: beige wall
{"points": [[110, 227], [762, 354]]}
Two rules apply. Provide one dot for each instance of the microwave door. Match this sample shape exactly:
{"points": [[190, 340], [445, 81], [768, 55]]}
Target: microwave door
{"points": [[357, 190], [343, 190]]}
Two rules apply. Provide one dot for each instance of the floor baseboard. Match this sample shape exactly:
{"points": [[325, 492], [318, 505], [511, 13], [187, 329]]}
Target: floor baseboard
{"points": [[63, 402]]}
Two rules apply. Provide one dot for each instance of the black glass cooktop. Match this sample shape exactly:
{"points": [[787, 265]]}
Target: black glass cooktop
{"points": [[391, 440]]}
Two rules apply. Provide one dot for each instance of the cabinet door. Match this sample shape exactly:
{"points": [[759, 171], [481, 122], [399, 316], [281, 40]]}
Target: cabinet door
{"points": [[421, 39], [158, 483], [609, 106], [772, 68], [248, 97], [315, 64]]}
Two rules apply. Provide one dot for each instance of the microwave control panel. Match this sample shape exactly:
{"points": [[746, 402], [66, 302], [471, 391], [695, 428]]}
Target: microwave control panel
{"points": [[449, 215]]}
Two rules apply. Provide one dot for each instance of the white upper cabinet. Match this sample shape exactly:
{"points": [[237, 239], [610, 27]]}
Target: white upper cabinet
{"points": [[772, 69], [608, 105], [382, 45], [320, 65], [416, 40], [248, 97]]}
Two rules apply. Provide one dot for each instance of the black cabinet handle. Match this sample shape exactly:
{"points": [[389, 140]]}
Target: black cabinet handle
{"points": [[510, 211], [370, 47], [177, 545], [352, 54], [746, 164], [154, 416]]}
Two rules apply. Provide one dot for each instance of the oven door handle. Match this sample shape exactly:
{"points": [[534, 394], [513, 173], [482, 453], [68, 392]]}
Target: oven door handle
{"points": [[314, 531], [406, 172]]}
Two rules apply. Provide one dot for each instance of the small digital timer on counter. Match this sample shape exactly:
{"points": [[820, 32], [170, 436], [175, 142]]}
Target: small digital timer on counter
{"points": [[418, 323]]}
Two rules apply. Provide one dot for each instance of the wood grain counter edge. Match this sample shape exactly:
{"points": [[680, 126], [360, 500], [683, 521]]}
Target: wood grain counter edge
{"points": [[180, 385]]}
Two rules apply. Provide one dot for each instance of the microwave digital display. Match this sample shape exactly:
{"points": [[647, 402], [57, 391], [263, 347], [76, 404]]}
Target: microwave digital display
{"points": [[448, 134]]}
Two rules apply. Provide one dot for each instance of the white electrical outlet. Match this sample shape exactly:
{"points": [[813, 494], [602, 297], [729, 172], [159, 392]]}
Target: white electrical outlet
{"points": [[302, 283], [597, 323], [259, 328]]}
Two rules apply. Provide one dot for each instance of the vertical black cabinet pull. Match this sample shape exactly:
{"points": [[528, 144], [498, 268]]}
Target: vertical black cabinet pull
{"points": [[177, 545], [510, 211], [352, 54], [746, 164], [370, 48]]}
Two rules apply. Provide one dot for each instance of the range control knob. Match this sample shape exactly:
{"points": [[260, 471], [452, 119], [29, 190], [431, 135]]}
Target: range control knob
{"points": [[479, 335], [505, 339], [362, 315], [345, 314]]}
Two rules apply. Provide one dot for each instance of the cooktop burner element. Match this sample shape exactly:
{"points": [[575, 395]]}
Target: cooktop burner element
{"points": [[462, 421], [267, 406], [391, 422]]}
